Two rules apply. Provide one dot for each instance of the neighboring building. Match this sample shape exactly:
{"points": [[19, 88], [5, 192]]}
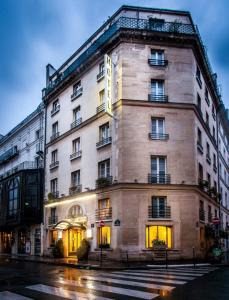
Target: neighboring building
{"points": [[21, 186], [223, 155], [131, 138]]}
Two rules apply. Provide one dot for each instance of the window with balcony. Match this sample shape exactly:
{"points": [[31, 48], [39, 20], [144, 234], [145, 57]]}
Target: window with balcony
{"points": [[55, 132], [76, 149], [101, 106], [104, 237], [53, 219], [55, 107], [75, 183], [77, 90], [158, 171], [208, 157], [54, 160], [199, 141], [37, 134], [77, 120], [158, 91], [162, 233], [207, 96], [104, 177], [104, 136], [101, 73], [158, 129], [199, 104], [159, 208], [13, 196], [54, 187], [104, 211], [157, 58], [198, 76]]}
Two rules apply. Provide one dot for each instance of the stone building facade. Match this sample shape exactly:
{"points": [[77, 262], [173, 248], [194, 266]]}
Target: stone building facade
{"points": [[131, 139]]}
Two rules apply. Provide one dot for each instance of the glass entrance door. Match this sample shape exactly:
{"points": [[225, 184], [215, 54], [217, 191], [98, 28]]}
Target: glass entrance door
{"points": [[74, 241]]}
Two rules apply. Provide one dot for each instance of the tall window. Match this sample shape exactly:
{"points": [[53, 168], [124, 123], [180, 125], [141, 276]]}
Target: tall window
{"points": [[76, 146], [158, 169], [103, 203], [101, 68], [159, 207], [207, 119], [201, 172], [104, 168], [13, 196], [104, 132], [162, 233], [207, 96], [102, 97], [55, 106], [55, 128], [76, 87], [158, 57], [157, 89], [104, 236], [199, 102], [198, 76], [54, 156], [214, 159], [54, 186], [37, 134], [207, 149], [75, 178], [158, 127], [199, 137]]}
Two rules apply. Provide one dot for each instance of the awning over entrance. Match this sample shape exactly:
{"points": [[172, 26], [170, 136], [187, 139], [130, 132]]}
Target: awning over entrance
{"points": [[69, 223]]}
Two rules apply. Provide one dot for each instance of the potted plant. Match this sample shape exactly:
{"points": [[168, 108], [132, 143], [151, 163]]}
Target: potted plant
{"points": [[83, 251], [158, 244], [58, 249], [51, 196], [103, 181]]}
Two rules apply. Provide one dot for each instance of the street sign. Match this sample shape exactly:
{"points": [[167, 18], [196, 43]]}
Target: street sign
{"points": [[101, 223], [117, 222]]}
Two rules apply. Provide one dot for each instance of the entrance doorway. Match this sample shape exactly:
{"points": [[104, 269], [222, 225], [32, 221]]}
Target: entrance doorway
{"points": [[74, 241]]}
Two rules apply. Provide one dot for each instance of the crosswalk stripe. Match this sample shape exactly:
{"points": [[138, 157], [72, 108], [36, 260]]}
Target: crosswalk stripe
{"points": [[107, 288], [6, 295], [170, 272], [124, 273], [58, 291], [184, 270], [126, 282]]}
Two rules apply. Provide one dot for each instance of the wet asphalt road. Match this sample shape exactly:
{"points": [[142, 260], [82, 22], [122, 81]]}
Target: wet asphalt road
{"points": [[39, 281]]}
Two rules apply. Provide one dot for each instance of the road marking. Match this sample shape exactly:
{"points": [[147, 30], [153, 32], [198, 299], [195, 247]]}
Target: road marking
{"points": [[132, 283], [181, 266], [11, 296], [111, 289], [162, 276], [170, 272], [58, 291]]}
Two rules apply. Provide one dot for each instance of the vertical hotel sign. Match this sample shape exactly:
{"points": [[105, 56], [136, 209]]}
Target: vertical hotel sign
{"points": [[108, 74]]}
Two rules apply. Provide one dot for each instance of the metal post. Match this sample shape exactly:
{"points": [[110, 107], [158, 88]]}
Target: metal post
{"points": [[101, 248], [166, 258], [127, 258], [194, 254]]}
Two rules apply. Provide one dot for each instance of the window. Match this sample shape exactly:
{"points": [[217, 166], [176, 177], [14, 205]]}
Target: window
{"points": [[207, 96], [200, 172], [75, 211], [220, 169], [55, 107], [53, 216], [157, 90], [214, 159], [207, 149], [104, 203], [207, 119], [157, 58], [37, 134], [209, 179], [158, 170], [76, 114], [76, 87], [13, 196], [198, 76], [159, 207], [215, 185], [199, 137], [104, 168], [75, 178], [53, 212], [76, 146], [54, 156], [158, 128], [104, 132], [101, 67], [162, 233], [199, 103], [225, 176], [104, 237], [55, 128], [213, 132], [102, 97], [213, 111], [54, 186]]}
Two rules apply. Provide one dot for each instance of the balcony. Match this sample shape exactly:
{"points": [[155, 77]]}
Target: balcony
{"points": [[75, 155], [159, 178], [158, 98], [77, 93], [55, 110], [201, 215], [158, 136], [103, 214], [52, 220], [198, 79], [8, 155], [101, 75], [208, 159], [54, 136], [159, 213], [104, 142], [200, 147], [102, 182], [100, 108], [75, 189], [76, 123], [157, 62], [54, 165]]}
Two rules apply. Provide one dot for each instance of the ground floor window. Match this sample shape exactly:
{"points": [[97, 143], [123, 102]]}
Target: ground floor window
{"points": [[53, 237], [104, 236], [163, 233]]}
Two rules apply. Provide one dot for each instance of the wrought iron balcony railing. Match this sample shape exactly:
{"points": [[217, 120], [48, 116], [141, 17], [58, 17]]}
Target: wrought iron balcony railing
{"points": [[55, 110], [52, 220], [103, 181], [75, 189], [100, 108], [54, 136], [159, 178], [155, 212], [158, 136], [157, 62], [76, 123], [77, 93], [158, 98], [104, 142], [100, 75], [8, 155], [201, 215], [54, 165], [75, 155], [103, 214]]}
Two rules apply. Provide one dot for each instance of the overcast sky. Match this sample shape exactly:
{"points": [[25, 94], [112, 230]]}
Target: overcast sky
{"points": [[36, 32]]}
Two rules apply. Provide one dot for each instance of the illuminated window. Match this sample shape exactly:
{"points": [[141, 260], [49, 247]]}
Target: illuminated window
{"points": [[104, 236], [162, 233], [53, 237]]}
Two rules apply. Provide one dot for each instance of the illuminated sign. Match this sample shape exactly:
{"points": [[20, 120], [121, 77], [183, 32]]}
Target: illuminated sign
{"points": [[108, 74]]}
